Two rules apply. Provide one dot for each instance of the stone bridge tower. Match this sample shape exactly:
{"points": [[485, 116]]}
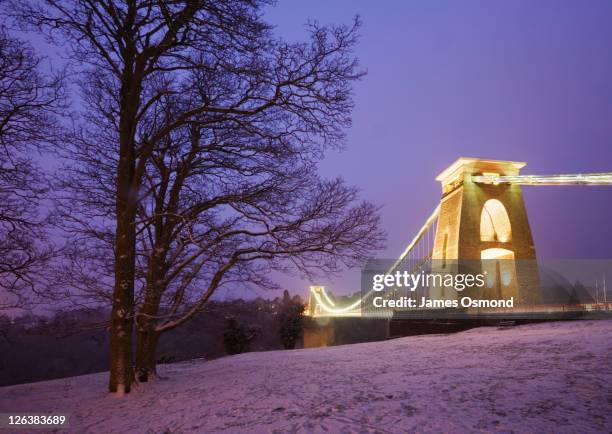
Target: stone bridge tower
{"points": [[487, 224]]}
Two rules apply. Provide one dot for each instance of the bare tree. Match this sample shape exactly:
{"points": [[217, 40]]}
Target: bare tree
{"points": [[28, 102], [235, 221], [202, 134]]}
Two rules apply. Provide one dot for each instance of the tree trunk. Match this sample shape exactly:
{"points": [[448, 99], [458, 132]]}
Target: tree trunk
{"points": [[122, 315], [146, 360], [146, 346], [121, 370]]}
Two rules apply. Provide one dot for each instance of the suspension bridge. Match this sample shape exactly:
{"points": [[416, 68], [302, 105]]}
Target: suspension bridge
{"points": [[481, 215]]}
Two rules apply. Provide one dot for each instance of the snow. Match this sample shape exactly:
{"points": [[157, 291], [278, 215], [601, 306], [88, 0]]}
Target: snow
{"points": [[552, 377]]}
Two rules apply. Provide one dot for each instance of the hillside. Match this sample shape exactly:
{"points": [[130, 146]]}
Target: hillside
{"points": [[552, 377]]}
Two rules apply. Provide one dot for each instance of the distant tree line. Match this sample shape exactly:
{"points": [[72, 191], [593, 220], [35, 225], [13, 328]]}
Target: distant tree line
{"points": [[76, 342], [289, 316]]}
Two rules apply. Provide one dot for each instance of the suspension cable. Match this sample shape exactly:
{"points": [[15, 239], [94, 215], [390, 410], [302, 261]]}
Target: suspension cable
{"points": [[569, 179]]}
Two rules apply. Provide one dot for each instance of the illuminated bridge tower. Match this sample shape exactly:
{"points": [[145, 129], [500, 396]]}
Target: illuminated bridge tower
{"points": [[487, 222]]}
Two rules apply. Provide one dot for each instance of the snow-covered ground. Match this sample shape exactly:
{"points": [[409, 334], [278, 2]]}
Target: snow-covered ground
{"points": [[554, 377]]}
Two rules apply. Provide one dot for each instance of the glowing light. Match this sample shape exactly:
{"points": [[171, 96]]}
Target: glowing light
{"points": [[497, 254], [490, 267], [494, 222], [428, 223], [333, 310], [327, 299], [328, 305], [569, 179]]}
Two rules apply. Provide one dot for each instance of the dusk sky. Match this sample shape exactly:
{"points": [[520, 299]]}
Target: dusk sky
{"points": [[521, 80], [516, 80]]}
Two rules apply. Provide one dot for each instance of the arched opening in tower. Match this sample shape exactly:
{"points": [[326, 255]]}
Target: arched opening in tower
{"points": [[494, 222]]}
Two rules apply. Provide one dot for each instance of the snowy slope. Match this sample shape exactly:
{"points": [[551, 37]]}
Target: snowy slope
{"points": [[553, 377]]}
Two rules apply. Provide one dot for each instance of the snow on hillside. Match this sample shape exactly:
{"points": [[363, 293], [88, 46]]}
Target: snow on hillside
{"points": [[553, 377]]}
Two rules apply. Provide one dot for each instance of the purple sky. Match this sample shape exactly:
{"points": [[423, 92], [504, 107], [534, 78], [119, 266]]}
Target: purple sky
{"points": [[518, 80]]}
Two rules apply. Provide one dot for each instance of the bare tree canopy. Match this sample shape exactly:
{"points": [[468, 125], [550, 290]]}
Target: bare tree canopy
{"points": [[196, 160], [28, 102]]}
